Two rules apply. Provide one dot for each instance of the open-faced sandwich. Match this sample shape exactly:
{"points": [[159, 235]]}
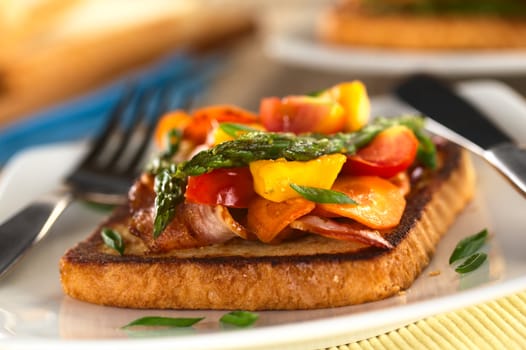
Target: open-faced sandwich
{"points": [[426, 24], [303, 205]]}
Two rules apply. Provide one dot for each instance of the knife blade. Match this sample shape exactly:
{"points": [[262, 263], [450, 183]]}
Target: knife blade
{"points": [[455, 118]]}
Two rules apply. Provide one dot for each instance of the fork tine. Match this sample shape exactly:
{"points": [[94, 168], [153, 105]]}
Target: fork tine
{"points": [[110, 126], [161, 107], [139, 113]]}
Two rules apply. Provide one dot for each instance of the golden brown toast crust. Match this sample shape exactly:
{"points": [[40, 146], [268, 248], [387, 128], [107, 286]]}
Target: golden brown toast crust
{"points": [[356, 27], [312, 272]]}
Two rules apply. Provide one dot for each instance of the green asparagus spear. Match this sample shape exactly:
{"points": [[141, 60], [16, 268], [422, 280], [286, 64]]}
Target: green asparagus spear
{"points": [[169, 192]]}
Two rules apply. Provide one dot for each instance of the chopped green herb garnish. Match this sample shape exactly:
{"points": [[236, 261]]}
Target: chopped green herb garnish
{"points": [[156, 321], [471, 263], [234, 129], [164, 160], [468, 249], [239, 318], [321, 195], [316, 93], [426, 153], [174, 137], [468, 246], [102, 207], [236, 318], [112, 239]]}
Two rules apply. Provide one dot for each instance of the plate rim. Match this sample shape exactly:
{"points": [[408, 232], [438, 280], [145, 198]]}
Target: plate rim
{"points": [[295, 44], [323, 330]]}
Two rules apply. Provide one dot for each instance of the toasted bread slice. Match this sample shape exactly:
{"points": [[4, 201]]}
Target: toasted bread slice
{"points": [[351, 24], [310, 272]]}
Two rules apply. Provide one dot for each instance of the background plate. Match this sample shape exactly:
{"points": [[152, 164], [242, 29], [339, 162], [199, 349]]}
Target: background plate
{"points": [[34, 311], [291, 39]]}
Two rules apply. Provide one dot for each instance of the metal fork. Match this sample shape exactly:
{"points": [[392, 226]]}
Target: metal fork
{"points": [[103, 176]]}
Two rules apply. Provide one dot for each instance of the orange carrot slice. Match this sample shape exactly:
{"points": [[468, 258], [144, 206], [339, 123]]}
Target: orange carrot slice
{"points": [[266, 219], [402, 181], [380, 203]]}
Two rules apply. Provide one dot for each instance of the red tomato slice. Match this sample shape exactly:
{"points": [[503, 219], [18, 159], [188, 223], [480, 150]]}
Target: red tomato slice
{"points": [[300, 114], [203, 118], [391, 151], [270, 114], [231, 187]]}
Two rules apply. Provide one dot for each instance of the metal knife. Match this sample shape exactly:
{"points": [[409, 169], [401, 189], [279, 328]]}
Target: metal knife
{"points": [[453, 117]]}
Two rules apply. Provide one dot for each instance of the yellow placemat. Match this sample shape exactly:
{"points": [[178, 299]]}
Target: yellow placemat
{"points": [[498, 324]]}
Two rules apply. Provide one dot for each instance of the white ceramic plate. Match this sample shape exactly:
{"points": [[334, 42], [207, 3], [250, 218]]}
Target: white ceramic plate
{"points": [[291, 39], [34, 311]]}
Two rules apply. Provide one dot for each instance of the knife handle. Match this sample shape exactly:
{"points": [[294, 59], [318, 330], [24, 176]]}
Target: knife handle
{"points": [[510, 160], [24, 229]]}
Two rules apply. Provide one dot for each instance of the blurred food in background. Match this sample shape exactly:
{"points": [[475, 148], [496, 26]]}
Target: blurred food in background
{"points": [[426, 24], [51, 50]]}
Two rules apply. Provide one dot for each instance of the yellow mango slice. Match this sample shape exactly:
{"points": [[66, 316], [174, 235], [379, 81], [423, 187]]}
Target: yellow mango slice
{"points": [[352, 96], [272, 178]]}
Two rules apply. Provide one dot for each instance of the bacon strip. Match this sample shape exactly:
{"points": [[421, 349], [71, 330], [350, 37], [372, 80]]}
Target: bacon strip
{"points": [[228, 220], [195, 225], [348, 231]]}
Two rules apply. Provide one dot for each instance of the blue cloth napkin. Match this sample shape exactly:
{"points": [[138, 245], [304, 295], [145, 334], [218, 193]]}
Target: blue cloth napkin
{"points": [[82, 117]]}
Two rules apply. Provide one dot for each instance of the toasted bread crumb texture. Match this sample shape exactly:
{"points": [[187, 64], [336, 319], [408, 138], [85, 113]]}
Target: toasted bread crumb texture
{"points": [[294, 276], [355, 27]]}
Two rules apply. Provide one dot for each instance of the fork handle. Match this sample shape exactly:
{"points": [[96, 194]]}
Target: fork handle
{"points": [[27, 227]]}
